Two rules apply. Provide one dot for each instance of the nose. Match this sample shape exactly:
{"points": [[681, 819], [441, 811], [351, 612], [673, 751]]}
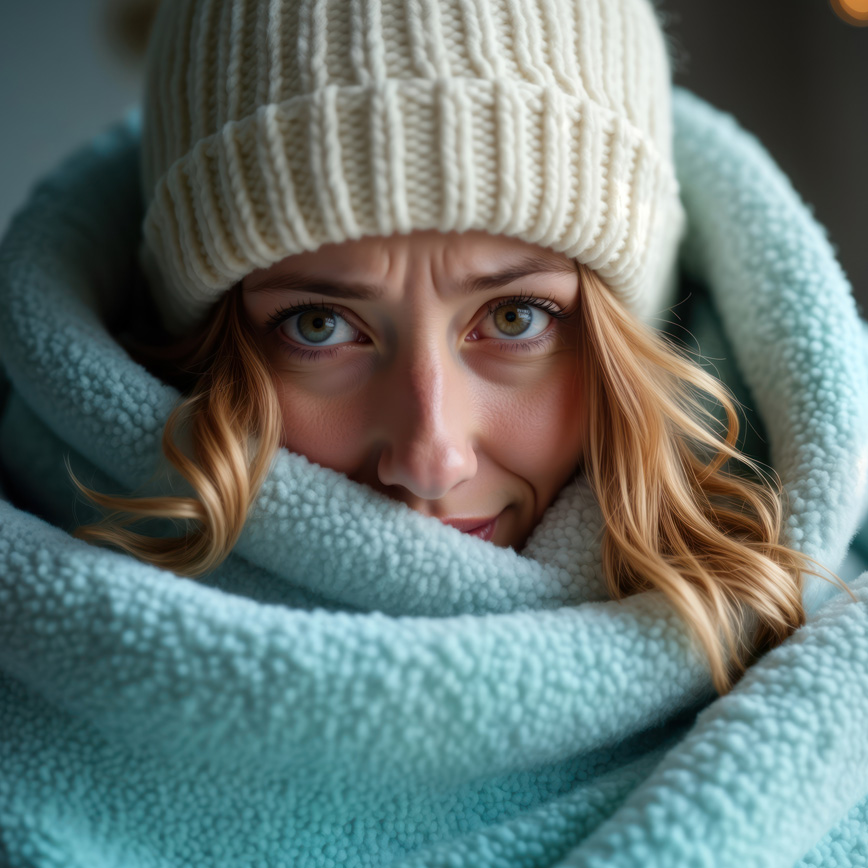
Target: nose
{"points": [[427, 422]]}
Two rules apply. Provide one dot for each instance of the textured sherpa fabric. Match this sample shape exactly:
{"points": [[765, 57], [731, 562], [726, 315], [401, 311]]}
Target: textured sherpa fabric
{"points": [[361, 685]]}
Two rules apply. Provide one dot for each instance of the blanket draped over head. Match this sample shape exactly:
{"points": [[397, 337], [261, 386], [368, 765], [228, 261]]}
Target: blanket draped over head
{"points": [[361, 685]]}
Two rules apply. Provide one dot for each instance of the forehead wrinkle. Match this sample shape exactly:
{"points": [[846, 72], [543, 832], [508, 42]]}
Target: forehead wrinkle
{"points": [[302, 281]]}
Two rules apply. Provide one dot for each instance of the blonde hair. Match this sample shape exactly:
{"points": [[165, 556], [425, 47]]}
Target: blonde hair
{"points": [[685, 512], [231, 409]]}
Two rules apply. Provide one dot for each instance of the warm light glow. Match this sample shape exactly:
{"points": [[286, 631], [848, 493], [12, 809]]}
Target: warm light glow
{"points": [[854, 12]]}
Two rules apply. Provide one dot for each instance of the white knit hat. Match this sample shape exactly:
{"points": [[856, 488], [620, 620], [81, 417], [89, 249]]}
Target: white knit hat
{"points": [[274, 126]]}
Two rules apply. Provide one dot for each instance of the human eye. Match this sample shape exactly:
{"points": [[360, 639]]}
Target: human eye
{"points": [[522, 318], [314, 330]]}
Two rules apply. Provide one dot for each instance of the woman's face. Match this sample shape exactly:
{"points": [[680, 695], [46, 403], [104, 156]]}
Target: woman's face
{"points": [[440, 369]]}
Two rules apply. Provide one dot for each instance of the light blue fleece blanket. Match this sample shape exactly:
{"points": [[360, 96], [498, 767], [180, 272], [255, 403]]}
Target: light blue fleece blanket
{"points": [[360, 685]]}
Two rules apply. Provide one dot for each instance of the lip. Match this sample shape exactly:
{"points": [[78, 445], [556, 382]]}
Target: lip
{"points": [[478, 527]]}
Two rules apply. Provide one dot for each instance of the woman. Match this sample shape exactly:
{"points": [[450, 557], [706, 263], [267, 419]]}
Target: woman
{"points": [[417, 252], [407, 356], [400, 363]]}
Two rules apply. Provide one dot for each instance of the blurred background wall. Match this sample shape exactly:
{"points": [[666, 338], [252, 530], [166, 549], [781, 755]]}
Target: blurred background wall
{"points": [[64, 75], [796, 75], [792, 72]]}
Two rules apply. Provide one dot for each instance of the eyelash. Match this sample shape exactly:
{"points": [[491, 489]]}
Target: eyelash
{"points": [[546, 304]]}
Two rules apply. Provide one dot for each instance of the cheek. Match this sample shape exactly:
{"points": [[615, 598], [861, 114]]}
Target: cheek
{"points": [[327, 431], [536, 432]]}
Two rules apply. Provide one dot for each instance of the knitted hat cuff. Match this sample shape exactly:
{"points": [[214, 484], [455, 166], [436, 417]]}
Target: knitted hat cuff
{"points": [[451, 154]]}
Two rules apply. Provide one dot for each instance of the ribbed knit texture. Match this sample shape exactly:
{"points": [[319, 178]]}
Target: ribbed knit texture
{"points": [[275, 126]]}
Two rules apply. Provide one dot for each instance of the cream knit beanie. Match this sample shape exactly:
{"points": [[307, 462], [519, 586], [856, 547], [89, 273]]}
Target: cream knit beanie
{"points": [[274, 126]]}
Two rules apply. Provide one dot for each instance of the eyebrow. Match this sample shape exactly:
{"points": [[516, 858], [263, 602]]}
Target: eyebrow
{"points": [[473, 283]]}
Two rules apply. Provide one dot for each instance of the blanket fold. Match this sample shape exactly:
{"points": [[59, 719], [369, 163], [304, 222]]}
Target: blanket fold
{"points": [[361, 685]]}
